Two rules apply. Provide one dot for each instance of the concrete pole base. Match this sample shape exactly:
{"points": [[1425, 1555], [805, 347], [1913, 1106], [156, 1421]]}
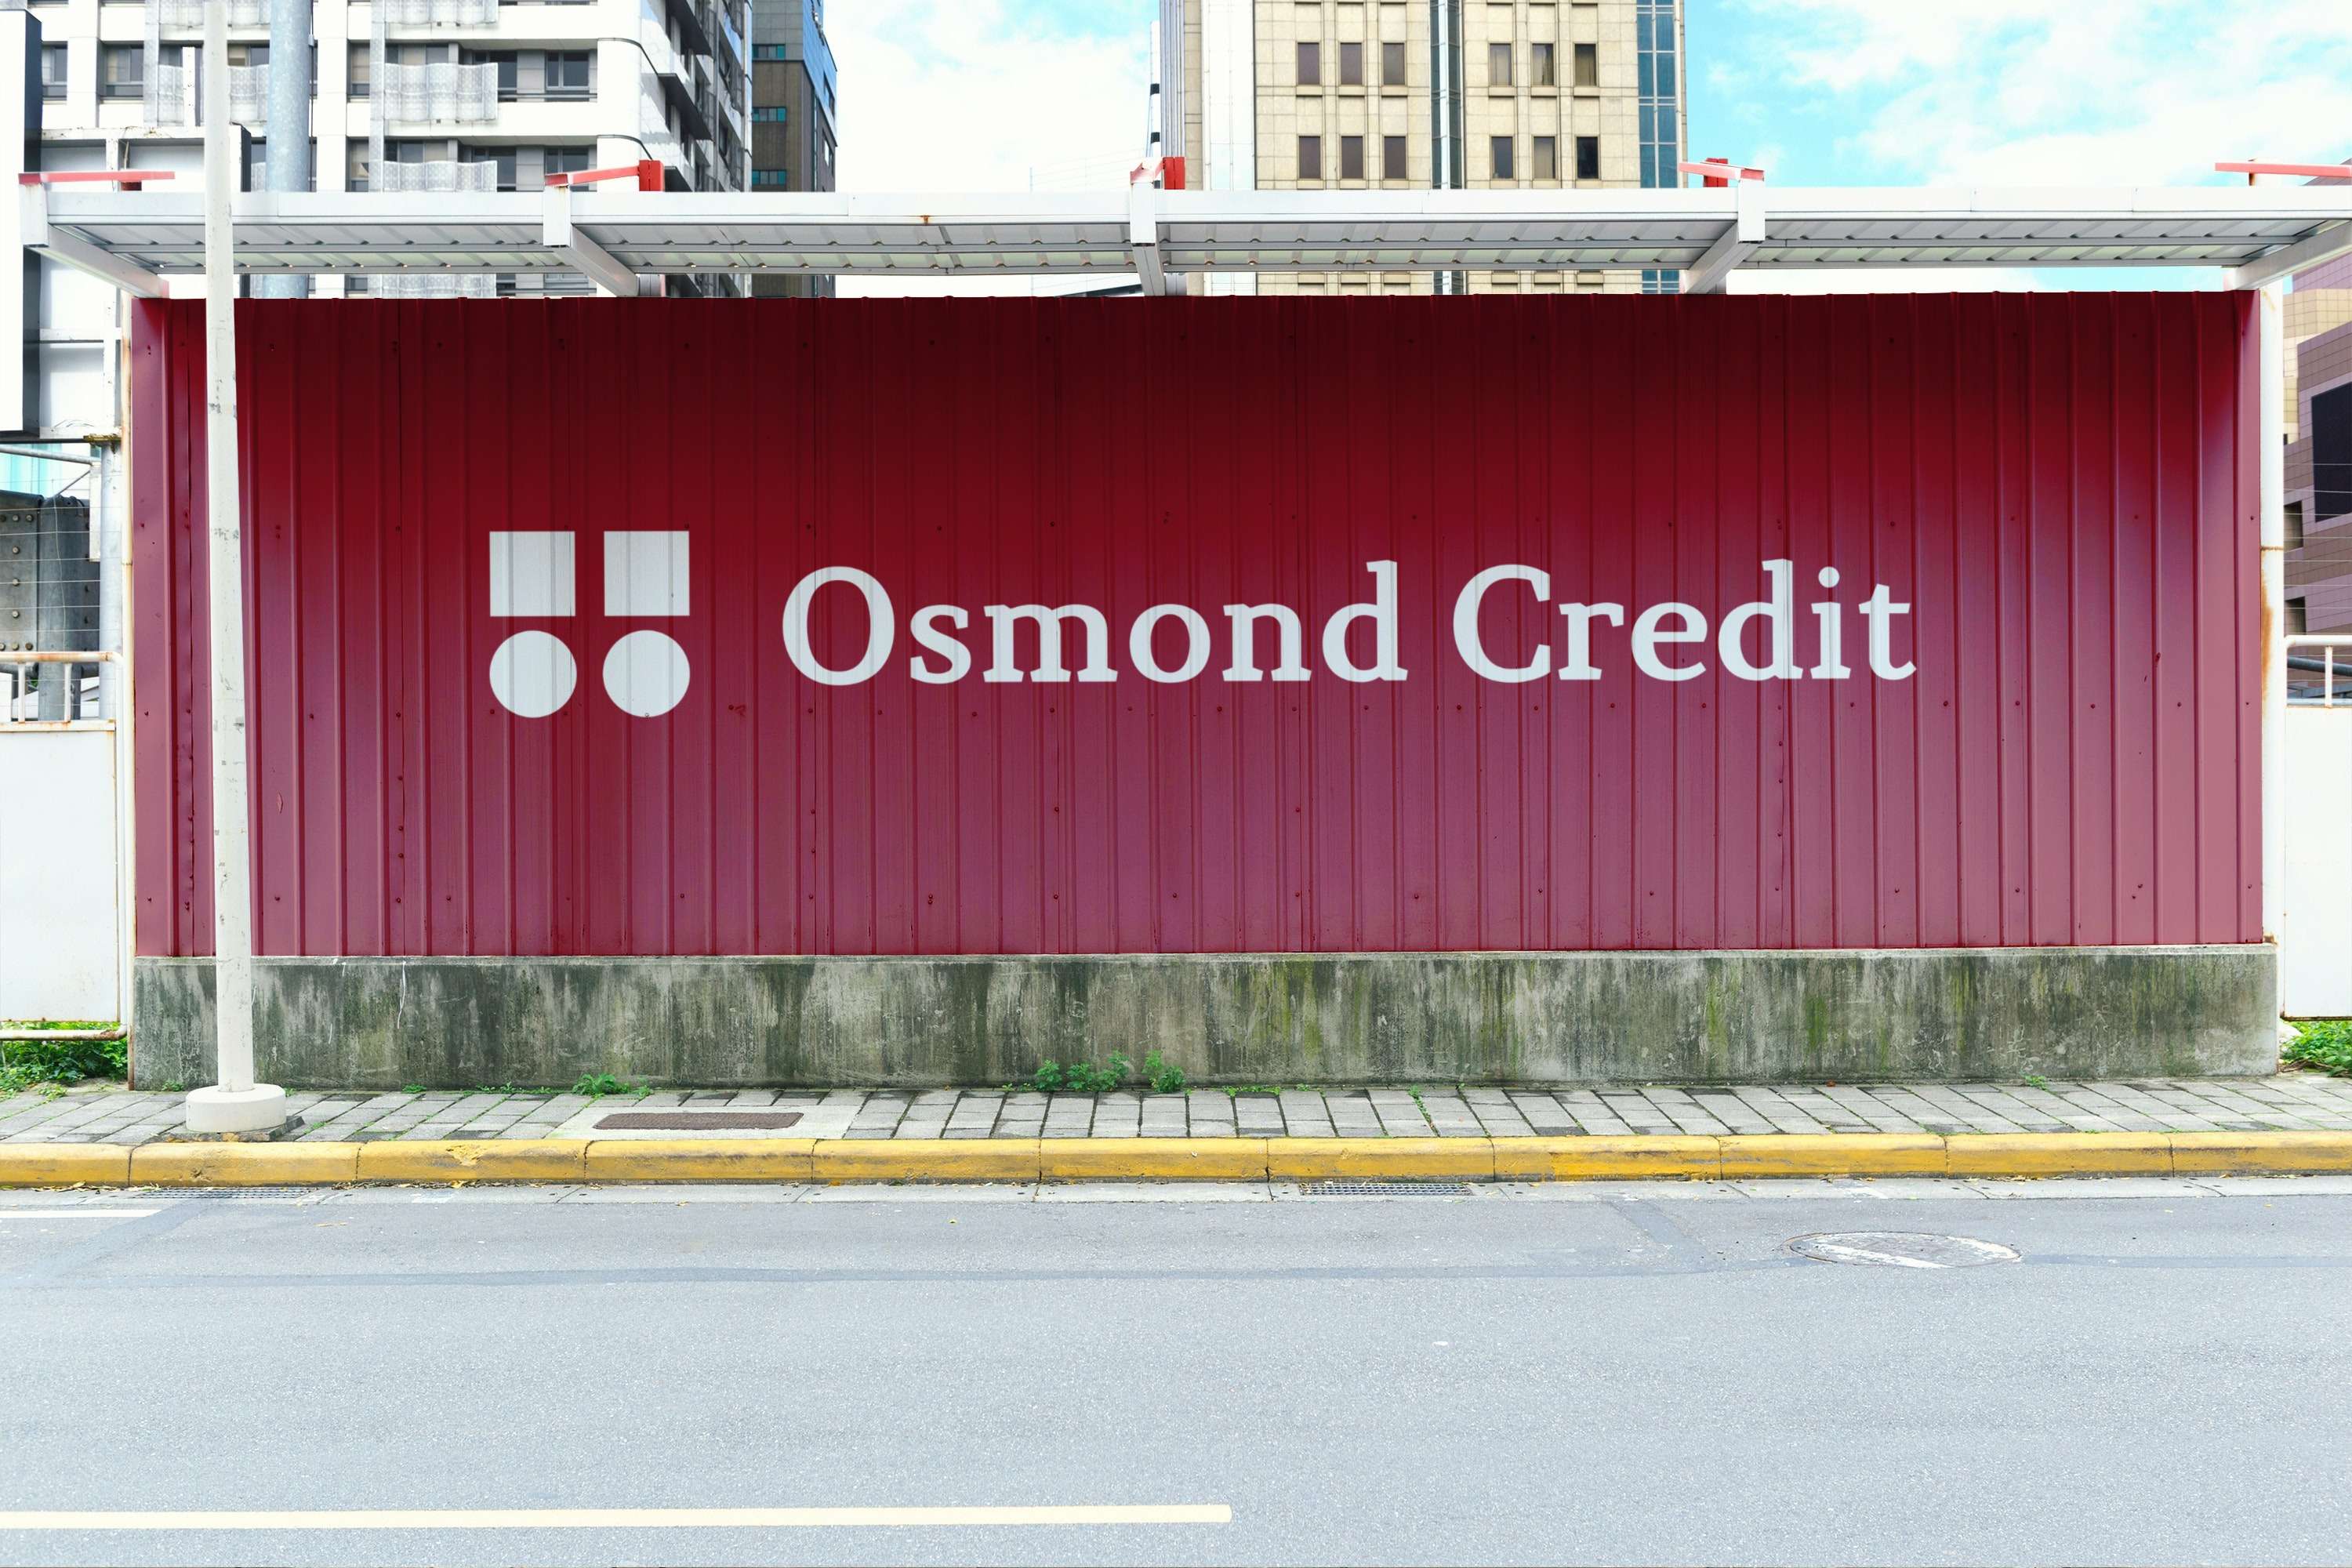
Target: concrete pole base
{"points": [[261, 1109]]}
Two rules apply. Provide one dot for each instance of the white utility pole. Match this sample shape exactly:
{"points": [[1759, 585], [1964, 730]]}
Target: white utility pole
{"points": [[237, 1104], [288, 122]]}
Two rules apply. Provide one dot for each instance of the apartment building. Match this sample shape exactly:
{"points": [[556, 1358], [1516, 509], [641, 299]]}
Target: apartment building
{"points": [[793, 130], [418, 95], [1420, 94], [2318, 375]]}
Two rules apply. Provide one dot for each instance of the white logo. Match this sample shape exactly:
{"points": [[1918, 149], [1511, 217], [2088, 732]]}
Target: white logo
{"points": [[531, 576]]}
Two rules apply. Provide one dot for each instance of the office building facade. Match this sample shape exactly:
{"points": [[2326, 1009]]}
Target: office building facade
{"points": [[1422, 94], [795, 134], [419, 95]]}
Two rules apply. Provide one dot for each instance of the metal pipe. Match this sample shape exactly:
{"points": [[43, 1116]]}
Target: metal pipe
{"points": [[2271, 310], [237, 1104], [287, 126]]}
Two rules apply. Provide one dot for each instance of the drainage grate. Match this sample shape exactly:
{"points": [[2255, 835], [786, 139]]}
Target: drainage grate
{"points": [[1902, 1249], [699, 1121], [1385, 1189], [270, 1195]]}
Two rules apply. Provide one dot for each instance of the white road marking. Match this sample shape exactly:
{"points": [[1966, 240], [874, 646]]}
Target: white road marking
{"points": [[77, 1213], [619, 1517], [1862, 1255]]}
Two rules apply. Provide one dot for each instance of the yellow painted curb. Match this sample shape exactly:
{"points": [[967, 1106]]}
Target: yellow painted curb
{"points": [[65, 1164], [243, 1165], [1398, 1159], [2012, 1155], [1750, 1154], [700, 1159], [2248, 1153], [1604, 1158], [2058, 1154], [1152, 1159], [924, 1159], [470, 1159]]}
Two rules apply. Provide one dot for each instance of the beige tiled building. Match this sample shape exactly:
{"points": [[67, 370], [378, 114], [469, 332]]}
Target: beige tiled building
{"points": [[1416, 94]]}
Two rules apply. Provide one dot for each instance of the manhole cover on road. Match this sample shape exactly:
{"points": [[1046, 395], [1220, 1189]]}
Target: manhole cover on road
{"points": [[1902, 1249], [699, 1121], [1384, 1189]]}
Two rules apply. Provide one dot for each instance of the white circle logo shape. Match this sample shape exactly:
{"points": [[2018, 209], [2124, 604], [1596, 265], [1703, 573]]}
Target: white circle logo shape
{"points": [[533, 674], [645, 674]]}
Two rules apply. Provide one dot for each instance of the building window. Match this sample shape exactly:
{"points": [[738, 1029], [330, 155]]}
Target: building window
{"points": [[2295, 525], [1541, 70], [1310, 65], [772, 179], [567, 75], [1587, 157], [1351, 65], [1588, 64], [1310, 157], [1392, 64], [772, 113], [355, 163], [1498, 64], [565, 160], [121, 70], [1499, 158], [1351, 157], [53, 70], [762, 51], [1393, 158], [1547, 158]]}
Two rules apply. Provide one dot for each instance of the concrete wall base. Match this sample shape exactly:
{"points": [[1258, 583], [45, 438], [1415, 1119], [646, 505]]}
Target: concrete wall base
{"points": [[1476, 1017]]}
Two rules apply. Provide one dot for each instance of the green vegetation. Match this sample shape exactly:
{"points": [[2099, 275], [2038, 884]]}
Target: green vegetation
{"points": [[1079, 1078], [604, 1083], [1164, 1076], [2035, 1080], [24, 1063], [2326, 1045]]}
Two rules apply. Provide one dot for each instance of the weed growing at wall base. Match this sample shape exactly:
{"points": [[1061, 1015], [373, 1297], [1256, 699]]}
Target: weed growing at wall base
{"points": [[2326, 1045], [24, 1063]]}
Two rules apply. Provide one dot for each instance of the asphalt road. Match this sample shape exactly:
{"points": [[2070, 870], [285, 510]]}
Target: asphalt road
{"points": [[1622, 1373]]}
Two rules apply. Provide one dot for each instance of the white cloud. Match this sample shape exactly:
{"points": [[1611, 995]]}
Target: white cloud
{"points": [[2076, 91], [973, 95]]}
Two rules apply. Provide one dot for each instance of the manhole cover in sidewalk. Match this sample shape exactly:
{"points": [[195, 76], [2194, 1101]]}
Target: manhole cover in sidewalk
{"points": [[1383, 1189], [699, 1121], [1902, 1249]]}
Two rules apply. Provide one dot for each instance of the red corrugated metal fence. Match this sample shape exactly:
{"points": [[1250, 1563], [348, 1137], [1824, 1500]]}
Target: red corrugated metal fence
{"points": [[2061, 487]]}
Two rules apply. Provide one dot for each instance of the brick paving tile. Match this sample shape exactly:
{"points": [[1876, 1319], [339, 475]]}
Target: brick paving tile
{"points": [[1504, 1120], [1404, 1120]]}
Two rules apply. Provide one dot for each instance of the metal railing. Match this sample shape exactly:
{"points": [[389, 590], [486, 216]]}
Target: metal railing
{"points": [[174, 99], [437, 12], [180, 13], [426, 286], [439, 94], [438, 174], [249, 92], [2319, 671], [31, 698]]}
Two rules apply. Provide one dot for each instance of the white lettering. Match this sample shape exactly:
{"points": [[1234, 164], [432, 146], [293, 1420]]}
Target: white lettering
{"points": [[1880, 611], [1383, 612], [1465, 623], [1291, 636], [1647, 637], [1579, 637], [1780, 611], [1004, 618], [1196, 643], [1831, 666], [924, 628], [880, 628]]}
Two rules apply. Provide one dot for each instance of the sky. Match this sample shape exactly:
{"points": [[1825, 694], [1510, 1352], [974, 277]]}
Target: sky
{"points": [[1049, 94]]}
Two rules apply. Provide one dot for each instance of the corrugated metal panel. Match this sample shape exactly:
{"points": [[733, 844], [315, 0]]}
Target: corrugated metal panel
{"points": [[2061, 486]]}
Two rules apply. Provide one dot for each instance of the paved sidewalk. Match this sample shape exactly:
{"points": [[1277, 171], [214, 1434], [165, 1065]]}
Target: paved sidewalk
{"points": [[2290, 1101]]}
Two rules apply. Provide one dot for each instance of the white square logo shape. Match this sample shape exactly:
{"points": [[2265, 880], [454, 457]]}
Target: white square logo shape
{"points": [[531, 574], [645, 573]]}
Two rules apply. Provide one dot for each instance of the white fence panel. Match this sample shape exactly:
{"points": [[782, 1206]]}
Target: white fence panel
{"points": [[59, 933]]}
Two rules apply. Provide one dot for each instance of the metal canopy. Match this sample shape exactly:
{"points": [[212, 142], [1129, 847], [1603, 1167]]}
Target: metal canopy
{"points": [[2257, 232]]}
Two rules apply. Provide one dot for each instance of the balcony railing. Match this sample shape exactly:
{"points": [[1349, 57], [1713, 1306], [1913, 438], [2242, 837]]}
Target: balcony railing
{"points": [[438, 13], [426, 286], [171, 95], [439, 94], [249, 92], [179, 14], [440, 175]]}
